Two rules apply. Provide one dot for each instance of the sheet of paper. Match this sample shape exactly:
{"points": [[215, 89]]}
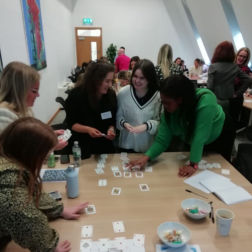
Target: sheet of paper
{"points": [[194, 181], [217, 184]]}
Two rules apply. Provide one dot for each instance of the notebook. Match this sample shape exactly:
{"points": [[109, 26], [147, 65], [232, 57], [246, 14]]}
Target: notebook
{"points": [[227, 191], [195, 180]]}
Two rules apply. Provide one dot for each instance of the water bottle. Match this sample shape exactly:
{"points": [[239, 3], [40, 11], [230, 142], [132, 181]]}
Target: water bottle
{"points": [[76, 154], [51, 161], [72, 180]]}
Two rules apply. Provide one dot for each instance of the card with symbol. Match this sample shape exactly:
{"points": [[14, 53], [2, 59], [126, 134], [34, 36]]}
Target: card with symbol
{"points": [[90, 209], [120, 243], [102, 182], [127, 174], [100, 166], [138, 240], [99, 171], [86, 245], [181, 157], [139, 174], [118, 227], [104, 245], [87, 231], [148, 169], [117, 174], [144, 187], [116, 191], [123, 154], [115, 168]]}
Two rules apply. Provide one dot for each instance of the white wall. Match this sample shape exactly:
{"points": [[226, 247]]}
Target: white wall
{"points": [[58, 35], [141, 26]]}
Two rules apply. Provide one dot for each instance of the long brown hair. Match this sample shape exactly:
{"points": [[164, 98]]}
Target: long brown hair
{"points": [[26, 142], [95, 73], [224, 52], [15, 82]]}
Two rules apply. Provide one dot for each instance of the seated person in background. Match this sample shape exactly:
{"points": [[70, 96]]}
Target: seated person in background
{"points": [[178, 61], [133, 61], [19, 88], [79, 80], [194, 116], [122, 61], [138, 109], [196, 70], [104, 58], [123, 78], [91, 110], [25, 208], [165, 67], [184, 68], [204, 66]]}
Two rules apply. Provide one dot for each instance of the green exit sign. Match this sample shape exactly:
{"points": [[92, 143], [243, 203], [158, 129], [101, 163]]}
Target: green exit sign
{"points": [[87, 20]]}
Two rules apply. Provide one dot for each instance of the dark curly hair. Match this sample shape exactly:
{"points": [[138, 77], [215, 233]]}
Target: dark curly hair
{"points": [[95, 73]]}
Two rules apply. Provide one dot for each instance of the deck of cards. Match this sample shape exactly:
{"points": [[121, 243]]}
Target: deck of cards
{"points": [[67, 134]]}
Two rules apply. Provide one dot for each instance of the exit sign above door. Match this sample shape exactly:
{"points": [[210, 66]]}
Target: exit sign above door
{"points": [[87, 20]]}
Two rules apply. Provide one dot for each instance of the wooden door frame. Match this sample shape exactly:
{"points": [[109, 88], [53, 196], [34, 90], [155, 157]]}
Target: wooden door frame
{"points": [[86, 28]]}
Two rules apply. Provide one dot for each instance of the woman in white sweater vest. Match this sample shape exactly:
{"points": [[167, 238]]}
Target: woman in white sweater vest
{"points": [[19, 88], [138, 113]]}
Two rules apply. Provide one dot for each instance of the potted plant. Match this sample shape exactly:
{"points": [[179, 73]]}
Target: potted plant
{"points": [[111, 53]]}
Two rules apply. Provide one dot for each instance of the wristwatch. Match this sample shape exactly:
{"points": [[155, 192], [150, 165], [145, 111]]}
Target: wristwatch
{"points": [[195, 166]]}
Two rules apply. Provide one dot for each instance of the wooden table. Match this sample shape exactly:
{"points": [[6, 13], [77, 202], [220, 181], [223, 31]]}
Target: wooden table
{"points": [[143, 212]]}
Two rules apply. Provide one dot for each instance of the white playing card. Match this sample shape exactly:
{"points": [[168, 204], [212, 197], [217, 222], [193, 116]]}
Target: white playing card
{"points": [[148, 169], [116, 191], [100, 165], [136, 168], [103, 245], [144, 187], [181, 157], [127, 174], [87, 231], [117, 174], [126, 169], [121, 243], [138, 240], [102, 182], [86, 245], [90, 209], [103, 155], [217, 165], [118, 227], [203, 161], [139, 174], [115, 168], [124, 159], [99, 171], [124, 154], [202, 166], [225, 171]]}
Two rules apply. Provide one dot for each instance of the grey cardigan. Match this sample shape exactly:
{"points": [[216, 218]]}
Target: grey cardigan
{"points": [[221, 80]]}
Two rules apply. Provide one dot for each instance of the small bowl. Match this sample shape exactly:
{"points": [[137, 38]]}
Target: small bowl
{"points": [[186, 234], [201, 204]]}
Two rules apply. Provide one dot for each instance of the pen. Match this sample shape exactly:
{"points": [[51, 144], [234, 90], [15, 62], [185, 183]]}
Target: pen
{"points": [[212, 214], [196, 194]]}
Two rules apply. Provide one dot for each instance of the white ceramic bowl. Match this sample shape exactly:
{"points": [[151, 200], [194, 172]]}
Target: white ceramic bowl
{"points": [[201, 204], [186, 234]]}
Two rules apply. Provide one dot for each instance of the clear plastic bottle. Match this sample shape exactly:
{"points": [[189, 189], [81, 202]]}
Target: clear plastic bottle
{"points": [[77, 154]]}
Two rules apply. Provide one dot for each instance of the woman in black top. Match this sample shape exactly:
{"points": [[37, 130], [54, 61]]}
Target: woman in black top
{"points": [[91, 110]]}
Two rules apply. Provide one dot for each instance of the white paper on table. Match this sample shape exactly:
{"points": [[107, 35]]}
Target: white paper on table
{"points": [[42, 171], [248, 100], [194, 181], [217, 184], [186, 248], [129, 243]]}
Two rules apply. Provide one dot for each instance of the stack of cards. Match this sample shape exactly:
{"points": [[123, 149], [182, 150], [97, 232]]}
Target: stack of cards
{"points": [[67, 134], [101, 164], [204, 165]]}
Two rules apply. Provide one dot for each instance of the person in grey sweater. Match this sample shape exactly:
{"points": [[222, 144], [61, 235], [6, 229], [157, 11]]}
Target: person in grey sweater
{"points": [[221, 78]]}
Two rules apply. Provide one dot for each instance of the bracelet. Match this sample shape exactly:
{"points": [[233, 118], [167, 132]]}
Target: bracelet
{"points": [[111, 129], [194, 166]]}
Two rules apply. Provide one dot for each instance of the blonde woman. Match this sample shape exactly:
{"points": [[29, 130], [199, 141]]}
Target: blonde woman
{"points": [[165, 66], [19, 88]]}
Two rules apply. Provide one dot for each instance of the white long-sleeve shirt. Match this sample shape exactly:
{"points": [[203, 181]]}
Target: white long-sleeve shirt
{"points": [[195, 71], [130, 111]]}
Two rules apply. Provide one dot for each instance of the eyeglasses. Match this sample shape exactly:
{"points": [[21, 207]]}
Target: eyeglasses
{"points": [[241, 56]]}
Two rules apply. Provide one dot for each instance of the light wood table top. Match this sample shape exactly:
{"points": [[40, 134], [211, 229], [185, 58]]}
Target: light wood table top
{"points": [[142, 212], [247, 104]]}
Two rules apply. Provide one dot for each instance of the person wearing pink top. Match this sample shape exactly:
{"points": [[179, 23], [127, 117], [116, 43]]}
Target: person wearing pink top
{"points": [[122, 61]]}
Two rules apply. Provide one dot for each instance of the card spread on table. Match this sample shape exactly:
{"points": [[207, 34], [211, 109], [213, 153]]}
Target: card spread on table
{"points": [[127, 174], [116, 191], [225, 171], [103, 155], [138, 240], [99, 171], [102, 182], [148, 169], [87, 231], [124, 159], [100, 166], [139, 174], [181, 157], [144, 187], [104, 245], [115, 168], [118, 227], [117, 174], [86, 245], [90, 209], [124, 154], [121, 243]]}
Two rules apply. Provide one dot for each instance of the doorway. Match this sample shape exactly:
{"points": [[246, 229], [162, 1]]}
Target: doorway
{"points": [[88, 44]]}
